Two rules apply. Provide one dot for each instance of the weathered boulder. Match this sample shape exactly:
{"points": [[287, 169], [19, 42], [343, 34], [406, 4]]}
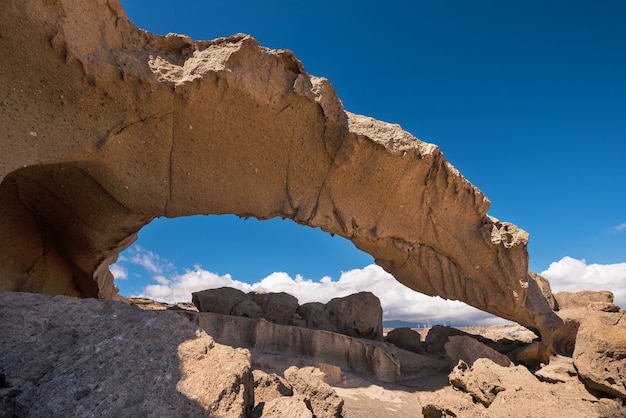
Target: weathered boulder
{"points": [[406, 339], [560, 370], [600, 350], [269, 387], [309, 382], [382, 361], [284, 407], [316, 316], [514, 391], [278, 308], [571, 300], [221, 300], [64, 356], [359, 315], [131, 126], [468, 349]]}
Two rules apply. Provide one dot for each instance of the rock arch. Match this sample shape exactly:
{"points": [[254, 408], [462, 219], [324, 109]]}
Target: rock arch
{"points": [[108, 126]]}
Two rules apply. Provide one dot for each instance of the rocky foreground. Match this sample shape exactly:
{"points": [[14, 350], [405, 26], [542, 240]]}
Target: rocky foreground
{"points": [[62, 356]]}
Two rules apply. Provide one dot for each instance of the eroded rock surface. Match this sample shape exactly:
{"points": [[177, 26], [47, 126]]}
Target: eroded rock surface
{"points": [[358, 315], [106, 127], [599, 352], [62, 356], [383, 361]]}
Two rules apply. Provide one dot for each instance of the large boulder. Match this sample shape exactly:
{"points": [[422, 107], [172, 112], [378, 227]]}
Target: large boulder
{"points": [[358, 315], [406, 339], [514, 392], [468, 349], [63, 356], [316, 316], [278, 308], [309, 382], [222, 300], [131, 126]]}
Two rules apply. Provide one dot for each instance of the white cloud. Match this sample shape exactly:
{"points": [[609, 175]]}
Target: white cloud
{"points": [[149, 260], [398, 301], [119, 272], [620, 227], [572, 275]]}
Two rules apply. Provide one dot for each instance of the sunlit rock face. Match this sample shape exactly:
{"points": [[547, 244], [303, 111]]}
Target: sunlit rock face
{"points": [[106, 126]]}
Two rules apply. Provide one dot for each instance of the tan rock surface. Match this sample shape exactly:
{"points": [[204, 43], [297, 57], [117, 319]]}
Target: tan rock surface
{"points": [[309, 382], [383, 361], [468, 349], [131, 126], [69, 357]]}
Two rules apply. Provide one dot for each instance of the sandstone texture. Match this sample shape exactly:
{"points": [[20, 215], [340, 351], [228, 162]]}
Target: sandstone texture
{"points": [[469, 350], [62, 356], [106, 127], [599, 351], [385, 362], [358, 315]]}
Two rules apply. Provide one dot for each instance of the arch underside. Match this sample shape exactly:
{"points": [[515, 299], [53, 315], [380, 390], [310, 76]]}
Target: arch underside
{"points": [[106, 132]]}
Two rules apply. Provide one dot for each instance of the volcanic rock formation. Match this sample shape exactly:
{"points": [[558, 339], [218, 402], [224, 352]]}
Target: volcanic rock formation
{"points": [[106, 127]]}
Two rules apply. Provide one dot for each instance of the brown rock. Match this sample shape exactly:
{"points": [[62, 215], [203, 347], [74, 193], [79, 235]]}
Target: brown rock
{"points": [[284, 407], [221, 300], [358, 315], [468, 349], [600, 351], [309, 382], [247, 308], [131, 126], [573, 300], [316, 316], [438, 336], [544, 286], [71, 357], [382, 361], [514, 392], [560, 370], [269, 386], [406, 339], [278, 308]]}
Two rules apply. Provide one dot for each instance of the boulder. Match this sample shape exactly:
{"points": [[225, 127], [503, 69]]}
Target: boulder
{"points": [[438, 336], [221, 300], [278, 308], [358, 315], [284, 407], [316, 316], [406, 339], [63, 356], [468, 349], [514, 392], [573, 300], [269, 386], [309, 382], [560, 370], [600, 351], [132, 126], [247, 308]]}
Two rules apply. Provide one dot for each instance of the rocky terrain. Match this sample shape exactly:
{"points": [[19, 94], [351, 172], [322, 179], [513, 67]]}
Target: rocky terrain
{"points": [[106, 126], [64, 356]]}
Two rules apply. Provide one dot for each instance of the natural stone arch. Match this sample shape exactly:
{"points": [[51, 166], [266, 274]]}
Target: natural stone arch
{"points": [[138, 126]]}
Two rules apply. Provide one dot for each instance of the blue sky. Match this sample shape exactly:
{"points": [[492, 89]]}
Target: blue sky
{"points": [[527, 99]]}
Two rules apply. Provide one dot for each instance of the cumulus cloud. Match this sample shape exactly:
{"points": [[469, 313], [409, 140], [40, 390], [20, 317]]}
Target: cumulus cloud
{"points": [[398, 301], [572, 275]]}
